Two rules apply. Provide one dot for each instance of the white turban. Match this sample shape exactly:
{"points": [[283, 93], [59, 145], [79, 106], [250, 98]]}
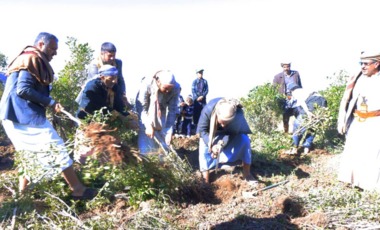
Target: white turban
{"points": [[372, 55], [108, 70], [166, 77], [226, 110]]}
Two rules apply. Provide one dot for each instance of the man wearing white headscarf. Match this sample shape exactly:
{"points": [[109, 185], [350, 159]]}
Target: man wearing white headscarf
{"points": [[223, 133], [359, 118], [157, 105], [102, 92]]}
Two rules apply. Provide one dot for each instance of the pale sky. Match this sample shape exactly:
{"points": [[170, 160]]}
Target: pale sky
{"points": [[239, 43]]}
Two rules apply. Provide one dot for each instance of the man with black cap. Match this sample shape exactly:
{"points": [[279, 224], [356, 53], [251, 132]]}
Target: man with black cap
{"points": [[282, 81], [199, 90], [359, 119]]}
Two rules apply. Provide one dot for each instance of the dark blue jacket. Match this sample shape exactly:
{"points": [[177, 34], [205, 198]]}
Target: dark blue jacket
{"points": [[238, 125], [24, 99], [3, 78], [94, 98], [94, 70]]}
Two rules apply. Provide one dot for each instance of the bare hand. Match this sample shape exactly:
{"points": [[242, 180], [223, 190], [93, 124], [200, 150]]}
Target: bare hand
{"points": [[215, 150], [168, 139], [341, 128], [310, 114], [57, 107], [149, 131]]}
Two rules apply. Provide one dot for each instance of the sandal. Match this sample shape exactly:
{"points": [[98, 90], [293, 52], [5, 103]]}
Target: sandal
{"points": [[88, 194]]}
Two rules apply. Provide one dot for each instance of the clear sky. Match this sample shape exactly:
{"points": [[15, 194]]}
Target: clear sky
{"points": [[239, 43]]}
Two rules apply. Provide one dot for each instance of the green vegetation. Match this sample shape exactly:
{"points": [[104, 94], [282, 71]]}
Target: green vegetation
{"points": [[3, 60], [152, 189]]}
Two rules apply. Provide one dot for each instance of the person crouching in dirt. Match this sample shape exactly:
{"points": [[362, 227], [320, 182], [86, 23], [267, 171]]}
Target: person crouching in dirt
{"points": [[100, 93], [157, 105], [223, 133], [306, 104], [23, 108]]}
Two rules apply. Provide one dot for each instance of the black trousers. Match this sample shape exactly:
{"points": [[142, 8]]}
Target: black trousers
{"points": [[198, 106]]}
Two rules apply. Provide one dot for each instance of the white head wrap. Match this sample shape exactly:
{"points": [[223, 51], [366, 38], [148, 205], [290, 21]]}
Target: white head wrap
{"points": [[166, 77], [372, 55]]}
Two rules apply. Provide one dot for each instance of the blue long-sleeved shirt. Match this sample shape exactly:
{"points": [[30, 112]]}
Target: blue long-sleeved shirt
{"points": [[94, 97], [25, 99], [194, 89]]}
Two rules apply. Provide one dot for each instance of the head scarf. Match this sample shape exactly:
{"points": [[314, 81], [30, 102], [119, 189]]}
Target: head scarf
{"points": [[226, 110], [372, 55], [166, 77], [108, 70], [285, 63], [34, 61]]}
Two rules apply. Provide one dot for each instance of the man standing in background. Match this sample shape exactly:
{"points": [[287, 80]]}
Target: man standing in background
{"points": [[199, 90], [282, 81]]}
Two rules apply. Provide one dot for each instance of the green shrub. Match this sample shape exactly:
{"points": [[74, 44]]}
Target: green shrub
{"points": [[263, 111], [69, 83], [264, 114], [331, 139]]}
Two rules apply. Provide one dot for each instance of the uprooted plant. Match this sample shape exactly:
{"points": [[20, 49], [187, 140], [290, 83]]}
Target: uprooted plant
{"points": [[117, 170]]}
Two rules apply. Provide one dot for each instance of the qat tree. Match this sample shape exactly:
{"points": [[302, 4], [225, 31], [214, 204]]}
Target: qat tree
{"points": [[3, 60], [70, 81]]}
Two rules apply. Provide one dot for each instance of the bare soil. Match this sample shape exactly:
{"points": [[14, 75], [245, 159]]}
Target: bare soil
{"points": [[229, 202]]}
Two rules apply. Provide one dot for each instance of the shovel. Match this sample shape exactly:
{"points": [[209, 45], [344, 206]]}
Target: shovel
{"points": [[254, 193], [76, 120]]}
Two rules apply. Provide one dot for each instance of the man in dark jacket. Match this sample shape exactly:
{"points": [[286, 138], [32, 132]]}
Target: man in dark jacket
{"points": [[223, 139], [282, 81], [199, 90], [107, 56], [102, 92]]}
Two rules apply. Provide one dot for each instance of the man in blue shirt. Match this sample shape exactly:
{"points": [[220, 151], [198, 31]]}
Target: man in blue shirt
{"points": [[200, 90], [23, 113]]}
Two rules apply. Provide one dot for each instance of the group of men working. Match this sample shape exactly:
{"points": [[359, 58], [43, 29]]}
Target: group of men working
{"points": [[222, 126], [358, 119], [27, 96]]}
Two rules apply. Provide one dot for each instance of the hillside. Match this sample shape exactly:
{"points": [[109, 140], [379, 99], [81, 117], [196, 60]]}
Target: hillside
{"points": [[229, 202]]}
